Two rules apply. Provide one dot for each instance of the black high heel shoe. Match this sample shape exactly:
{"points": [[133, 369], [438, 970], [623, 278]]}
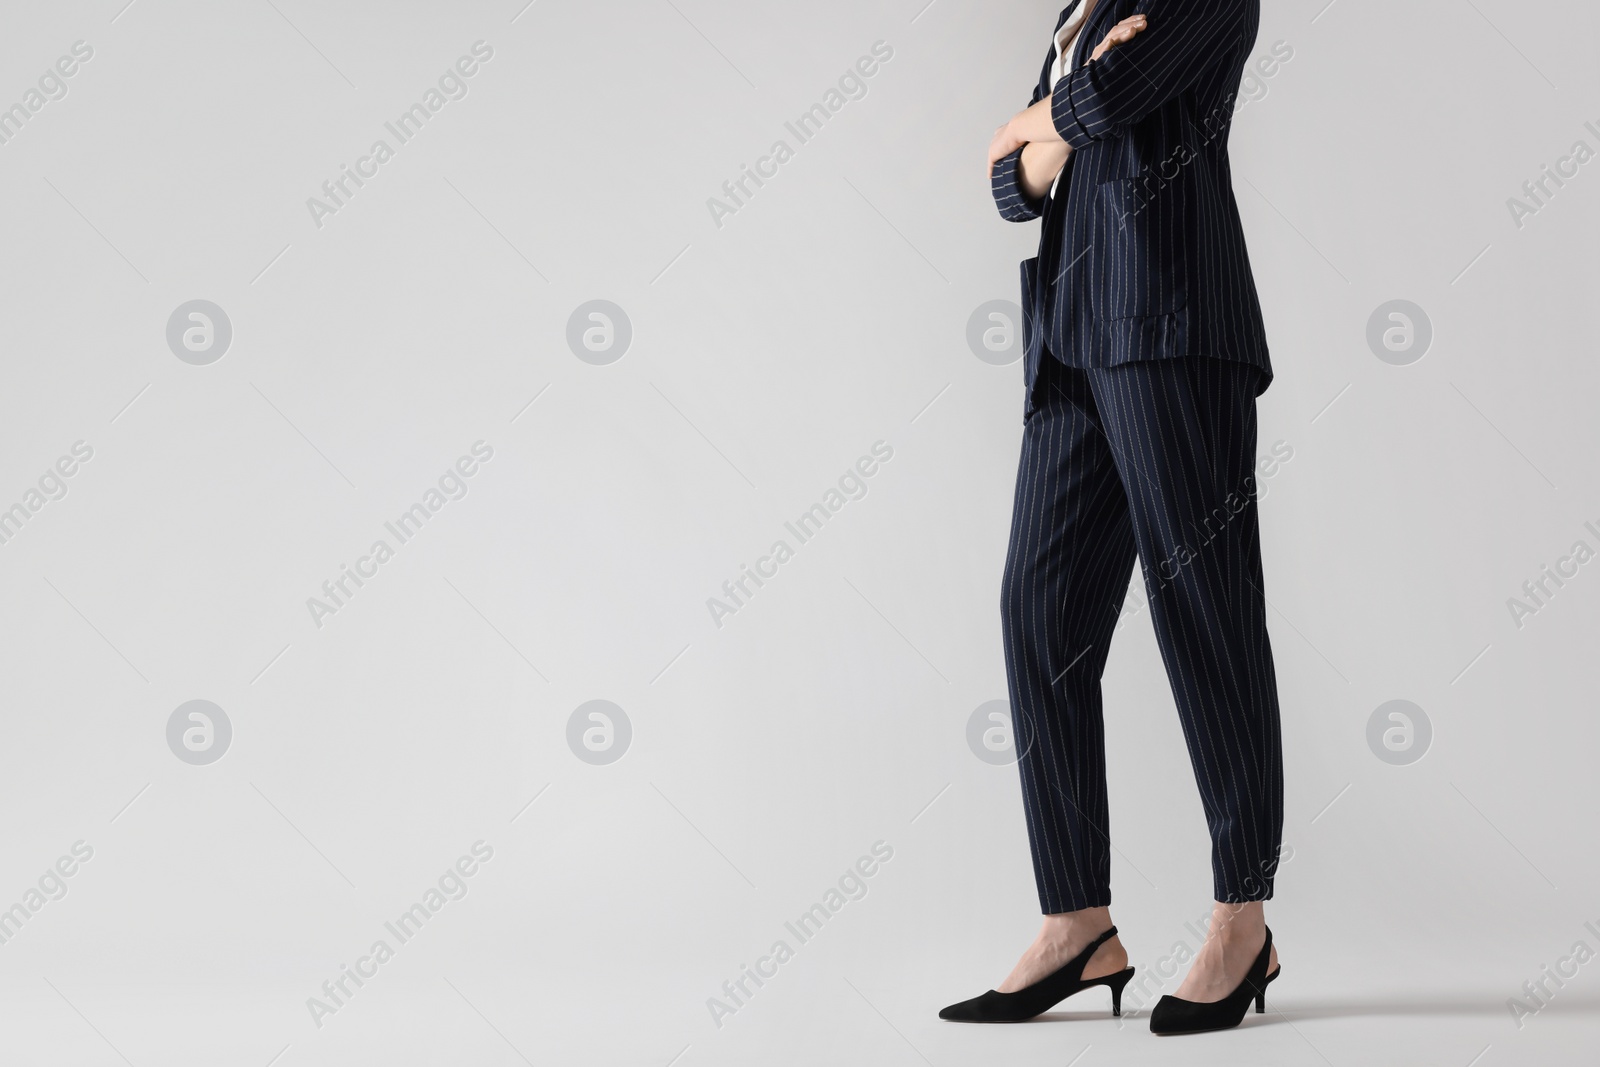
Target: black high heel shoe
{"points": [[1041, 996], [1173, 1015]]}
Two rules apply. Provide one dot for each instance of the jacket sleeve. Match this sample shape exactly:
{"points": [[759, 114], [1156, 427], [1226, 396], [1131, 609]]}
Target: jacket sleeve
{"points": [[1185, 38], [1006, 183]]}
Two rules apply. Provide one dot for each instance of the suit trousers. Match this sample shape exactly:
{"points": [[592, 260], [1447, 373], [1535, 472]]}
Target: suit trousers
{"points": [[1154, 459]]}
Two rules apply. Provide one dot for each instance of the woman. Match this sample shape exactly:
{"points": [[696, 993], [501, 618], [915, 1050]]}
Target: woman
{"points": [[1145, 352]]}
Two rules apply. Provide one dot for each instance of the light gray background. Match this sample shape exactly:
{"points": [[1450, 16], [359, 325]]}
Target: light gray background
{"points": [[767, 355]]}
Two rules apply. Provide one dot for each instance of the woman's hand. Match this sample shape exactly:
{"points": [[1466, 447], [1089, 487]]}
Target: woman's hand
{"points": [[1121, 33], [1004, 142]]}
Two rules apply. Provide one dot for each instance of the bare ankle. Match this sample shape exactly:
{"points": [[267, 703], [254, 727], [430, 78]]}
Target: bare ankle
{"points": [[1232, 922], [1066, 924]]}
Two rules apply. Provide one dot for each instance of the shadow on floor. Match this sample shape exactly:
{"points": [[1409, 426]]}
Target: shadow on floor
{"points": [[1295, 1009], [1572, 1003]]}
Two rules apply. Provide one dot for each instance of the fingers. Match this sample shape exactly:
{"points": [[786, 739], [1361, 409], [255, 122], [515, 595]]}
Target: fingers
{"points": [[1002, 144], [1124, 30], [1121, 33]]}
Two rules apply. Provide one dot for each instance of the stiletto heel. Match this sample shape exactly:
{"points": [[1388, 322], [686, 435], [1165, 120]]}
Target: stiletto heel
{"points": [[1173, 1015], [1261, 998], [1041, 996], [1116, 982]]}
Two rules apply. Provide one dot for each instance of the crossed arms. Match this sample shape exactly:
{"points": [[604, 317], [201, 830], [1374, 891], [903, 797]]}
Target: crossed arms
{"points": [[1130, 73]]}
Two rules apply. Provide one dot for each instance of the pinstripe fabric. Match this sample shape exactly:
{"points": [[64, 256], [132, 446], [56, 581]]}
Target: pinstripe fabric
{"points": [[1153, 460], [1141, 252]]}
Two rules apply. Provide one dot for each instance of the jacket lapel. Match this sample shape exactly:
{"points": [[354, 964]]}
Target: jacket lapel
{"points": [[1045, 84], [1066, 13]]}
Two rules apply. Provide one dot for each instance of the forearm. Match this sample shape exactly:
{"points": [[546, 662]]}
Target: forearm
{"points": [[1034, 125], [1039, 165], [1044, 152]]}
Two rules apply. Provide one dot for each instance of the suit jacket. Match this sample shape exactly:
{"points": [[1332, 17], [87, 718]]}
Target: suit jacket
{"points": [[1141, 254]]}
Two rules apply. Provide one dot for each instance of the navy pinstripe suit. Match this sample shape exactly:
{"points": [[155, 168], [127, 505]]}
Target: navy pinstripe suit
{"points": [[1145, 355]]}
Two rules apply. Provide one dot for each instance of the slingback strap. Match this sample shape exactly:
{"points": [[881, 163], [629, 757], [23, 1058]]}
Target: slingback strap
{"points": [[1102, 939]]}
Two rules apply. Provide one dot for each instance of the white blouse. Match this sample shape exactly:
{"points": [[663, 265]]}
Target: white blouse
{"points": [[1063, 42]]}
